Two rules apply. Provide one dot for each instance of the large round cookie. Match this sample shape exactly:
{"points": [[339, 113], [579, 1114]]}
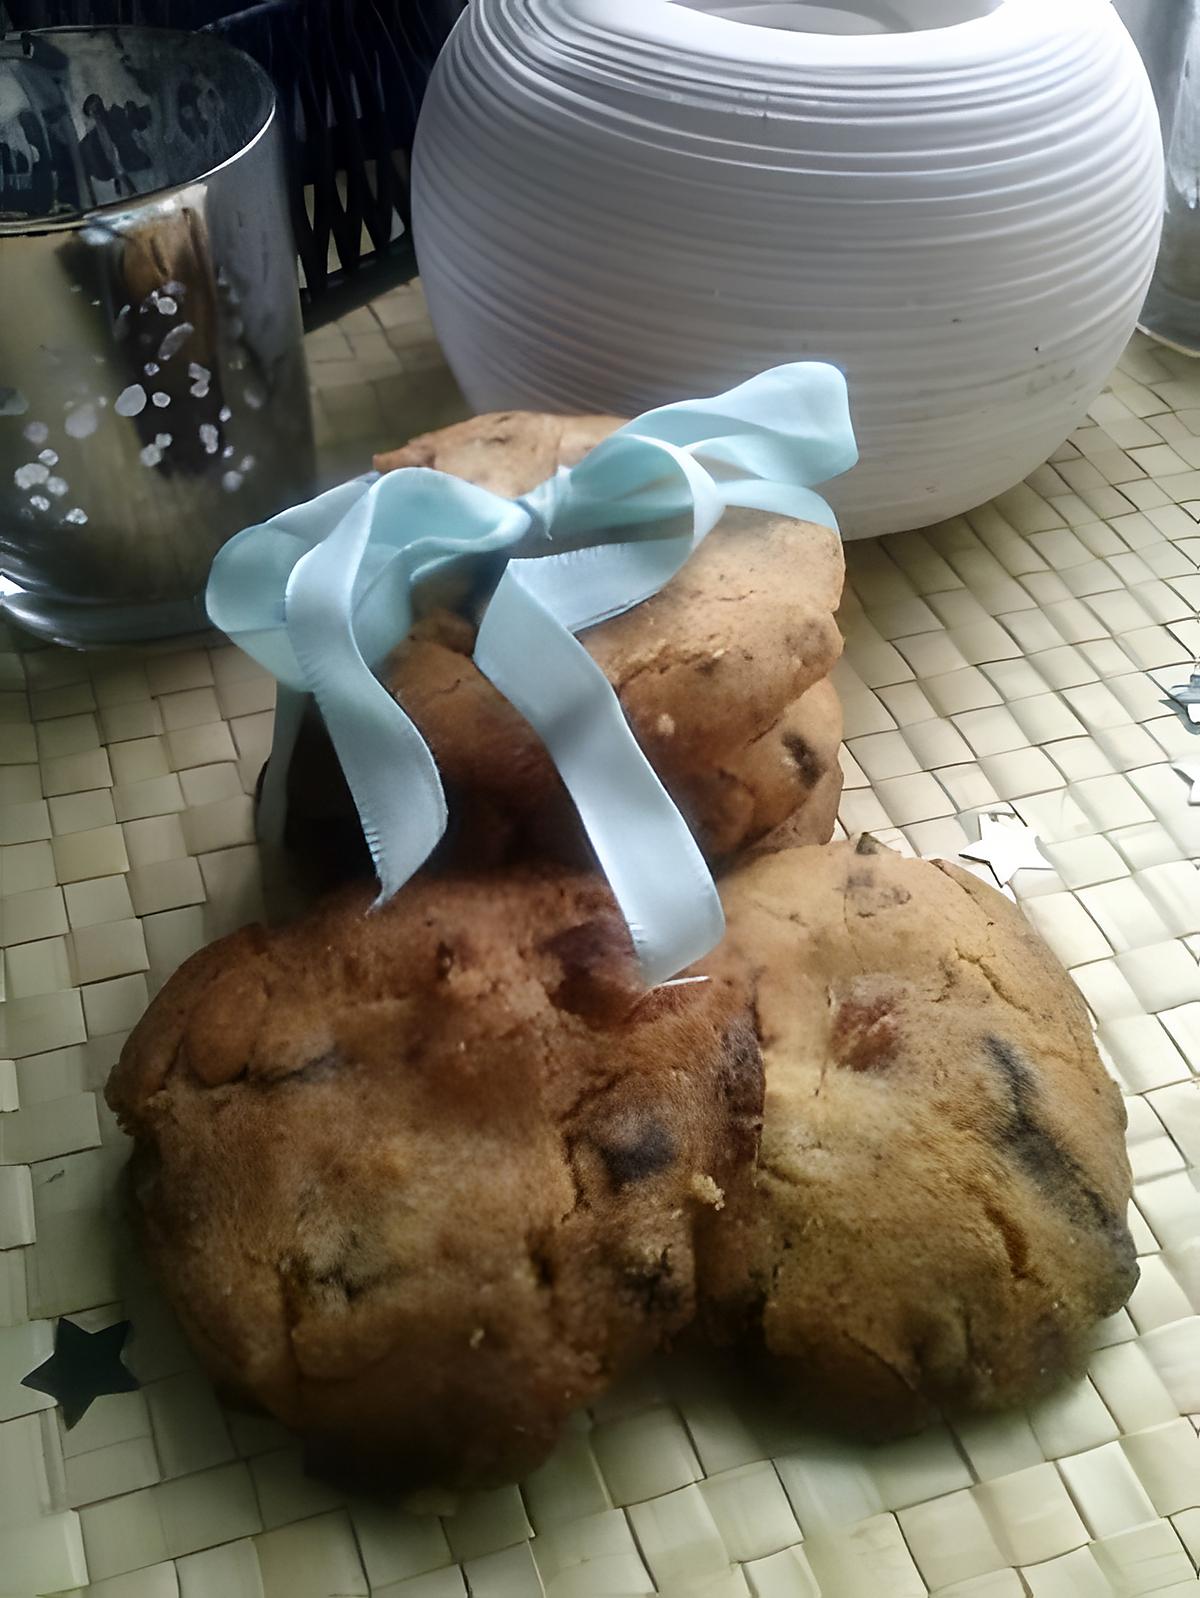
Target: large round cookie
{"points": [[420, 1182], [937, 1214]]}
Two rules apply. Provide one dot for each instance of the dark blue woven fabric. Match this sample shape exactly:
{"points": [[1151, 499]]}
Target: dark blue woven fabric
{"points": [[349, 75]]}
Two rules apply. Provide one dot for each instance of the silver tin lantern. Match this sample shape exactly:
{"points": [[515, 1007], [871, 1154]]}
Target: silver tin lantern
{"points": [[153, 397]]}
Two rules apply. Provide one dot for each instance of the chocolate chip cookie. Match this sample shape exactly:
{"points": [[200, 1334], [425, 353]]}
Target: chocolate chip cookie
{"points": [[740, 733], [937, 1213], [723, 677], [420, 1182]]}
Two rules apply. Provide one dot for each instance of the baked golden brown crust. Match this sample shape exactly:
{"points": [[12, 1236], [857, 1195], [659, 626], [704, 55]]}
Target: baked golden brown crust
{"points": [[509, 452], [421, 1181], [937, 1213]]}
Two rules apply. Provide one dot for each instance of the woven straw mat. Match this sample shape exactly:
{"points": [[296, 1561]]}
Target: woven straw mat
{"points": [[1011, 660]]}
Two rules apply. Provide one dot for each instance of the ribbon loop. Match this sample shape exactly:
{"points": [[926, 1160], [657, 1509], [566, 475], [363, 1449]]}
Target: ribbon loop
{"points": [[322, 592]]}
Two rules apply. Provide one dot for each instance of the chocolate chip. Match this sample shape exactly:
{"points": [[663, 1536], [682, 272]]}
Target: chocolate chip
{"points": [[867, 845], [277, 1073], [543, 1265], [1032, 1145], [599, 973], [741, 1080], [338, 1281], [639, 1151], [804, 758], [873, 895], [653, 1287], [318, 1069], [864, 1033], [1056, 1172]]}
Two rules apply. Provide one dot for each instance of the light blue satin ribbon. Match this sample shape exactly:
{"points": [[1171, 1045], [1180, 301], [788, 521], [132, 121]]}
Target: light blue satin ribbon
{"points": [[323, 592]]}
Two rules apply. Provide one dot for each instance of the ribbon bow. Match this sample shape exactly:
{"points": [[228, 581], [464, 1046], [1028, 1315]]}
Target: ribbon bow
{"points": [[321, 593]]}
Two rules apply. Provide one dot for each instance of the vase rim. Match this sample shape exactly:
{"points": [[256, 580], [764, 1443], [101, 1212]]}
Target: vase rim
{"points": [[725, 11], [675, 25]]}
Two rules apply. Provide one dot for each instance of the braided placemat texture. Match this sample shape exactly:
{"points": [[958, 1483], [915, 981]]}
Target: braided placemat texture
{"points": [[1011, 660]]}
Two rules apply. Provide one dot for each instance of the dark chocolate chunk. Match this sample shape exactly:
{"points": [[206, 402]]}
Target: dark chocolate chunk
{"points": [[804, 758], [599, 973], [1055, 1171], [653, 1287], [742, 1084], [864, 1032], [647, 1149]]}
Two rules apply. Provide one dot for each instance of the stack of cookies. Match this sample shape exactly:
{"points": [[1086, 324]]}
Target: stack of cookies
{"points": [[423, 1182], [723, 675]]}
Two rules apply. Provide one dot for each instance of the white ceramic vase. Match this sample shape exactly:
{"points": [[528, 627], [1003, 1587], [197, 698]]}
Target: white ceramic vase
{"points": [[621, 202]]}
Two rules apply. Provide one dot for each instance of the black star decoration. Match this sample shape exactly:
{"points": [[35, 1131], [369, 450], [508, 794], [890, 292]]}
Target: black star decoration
{"points": [[84, 1365]]}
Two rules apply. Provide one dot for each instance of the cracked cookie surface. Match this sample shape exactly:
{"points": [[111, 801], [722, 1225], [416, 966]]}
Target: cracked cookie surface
{"points": [[420, 1182], [937, 1214]]}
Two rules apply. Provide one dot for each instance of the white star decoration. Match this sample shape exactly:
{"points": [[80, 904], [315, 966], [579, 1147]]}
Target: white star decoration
{"points": [[1184, 699], [1006, 849], [1189, 714], [1190, 769]]}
